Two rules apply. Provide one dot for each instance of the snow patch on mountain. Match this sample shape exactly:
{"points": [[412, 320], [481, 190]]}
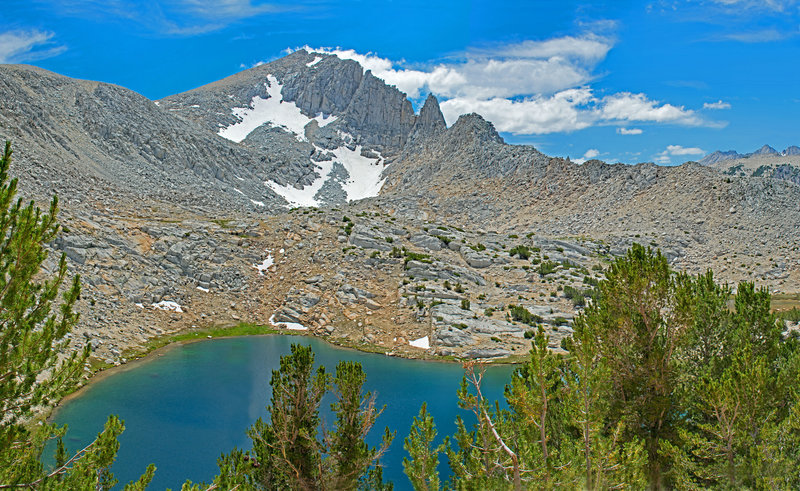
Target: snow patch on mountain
{"points": [[273, 110], [364, 178], [305, 195], [365, 173]]}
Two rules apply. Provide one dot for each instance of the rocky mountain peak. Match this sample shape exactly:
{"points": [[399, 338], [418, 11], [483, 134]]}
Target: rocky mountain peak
{"points": [[793, 150], [719, 156], [430, 116], [429, 123], [765, 150], [473, 127]]}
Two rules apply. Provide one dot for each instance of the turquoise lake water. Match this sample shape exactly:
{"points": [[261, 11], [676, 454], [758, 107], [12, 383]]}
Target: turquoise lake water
{"points": [[184, 408]]}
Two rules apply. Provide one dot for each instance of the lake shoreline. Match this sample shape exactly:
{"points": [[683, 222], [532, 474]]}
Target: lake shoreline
{"points": [[158, 347]]}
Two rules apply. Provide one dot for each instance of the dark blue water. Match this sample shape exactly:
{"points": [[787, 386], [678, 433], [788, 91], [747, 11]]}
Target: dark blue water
{"points": [[184, 408]]}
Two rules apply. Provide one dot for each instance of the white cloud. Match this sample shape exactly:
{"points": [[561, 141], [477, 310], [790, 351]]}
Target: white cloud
{"points": [[168, 17], [631, 131], [568, 110], [625, 106], [589, 48], [531, 87], [18, 46], [529, 67], [588, 155], [717, 105], [676, 150], [679, 150], [535, 115], [252, 65]]}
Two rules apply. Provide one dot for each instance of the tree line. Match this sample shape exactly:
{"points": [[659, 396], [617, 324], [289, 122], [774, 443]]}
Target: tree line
{"points": [[670, 381]]}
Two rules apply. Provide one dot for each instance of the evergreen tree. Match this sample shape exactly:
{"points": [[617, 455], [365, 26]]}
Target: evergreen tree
{"points": [[421, 467], [482, 458], [288, 452], [639, 324], [349, 457], [536, 397], [34, 373], [739, 393], [606, 461]]}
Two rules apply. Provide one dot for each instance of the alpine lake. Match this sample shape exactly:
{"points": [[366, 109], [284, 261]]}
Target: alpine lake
{"points": [[186, 405]]}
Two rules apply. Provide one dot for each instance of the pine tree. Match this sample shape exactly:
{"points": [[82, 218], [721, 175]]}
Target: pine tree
{"points": [[33, 372], [639, 324], [739, 393], [481, 458], [606, 461], [349, 457], [288, 452], [536, 399], [286, 449], [421, 467]]}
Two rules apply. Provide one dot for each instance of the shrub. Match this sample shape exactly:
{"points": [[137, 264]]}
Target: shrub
{"points": [[521, 314], [547, 267], [522, 251]]}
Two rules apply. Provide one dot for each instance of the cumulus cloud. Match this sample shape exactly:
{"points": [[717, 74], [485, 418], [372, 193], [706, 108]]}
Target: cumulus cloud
{"points": [[591, 153], [679, 150], [20, 45], [531, 87], [717, 105], [665, 157], [625, 106], [563, 111], [588, 155], [568, 110], [627, 131], [530, 67]]}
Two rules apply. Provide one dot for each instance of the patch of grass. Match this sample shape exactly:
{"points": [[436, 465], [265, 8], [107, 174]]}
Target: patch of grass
{"points": [[241, 329], [792, 315], [414, 256], [785, 301]]}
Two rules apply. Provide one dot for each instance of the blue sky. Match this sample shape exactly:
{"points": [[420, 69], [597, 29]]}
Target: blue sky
{"points": [[664, 80]]}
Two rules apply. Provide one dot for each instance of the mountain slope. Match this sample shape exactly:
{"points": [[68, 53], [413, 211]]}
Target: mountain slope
{"points": [[330, 126], [468, 176], [183, 203], [69, 133]]}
